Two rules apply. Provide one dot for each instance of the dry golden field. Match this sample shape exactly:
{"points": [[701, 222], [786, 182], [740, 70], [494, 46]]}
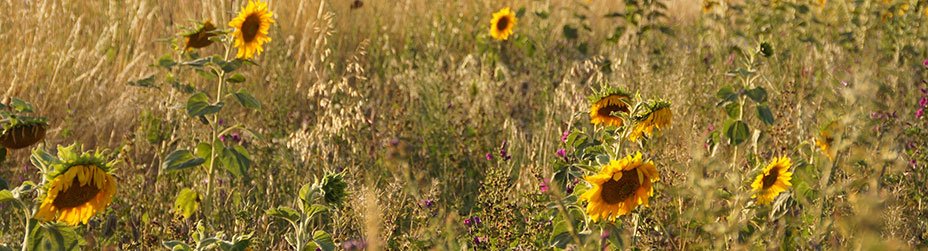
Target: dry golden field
{"points": [[463, 125]]}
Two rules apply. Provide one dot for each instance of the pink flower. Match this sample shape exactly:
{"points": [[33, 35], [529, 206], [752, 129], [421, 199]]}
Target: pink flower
{"points": [[923, 102], [564, 136], [544, 185], [920, 113], [925, 63], [489, 156], [561, 153]]}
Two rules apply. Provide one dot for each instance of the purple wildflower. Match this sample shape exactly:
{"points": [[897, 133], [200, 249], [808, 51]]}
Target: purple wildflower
{"points": [[923, 102], [478, 240], [477, 220], [468, 222], [503, 152], [562, 153], [428, 203], [236, 137], [920, 113], [544, 185], [564, 136], [925, 63], [221, 122], [489, 156], [222, 138]]}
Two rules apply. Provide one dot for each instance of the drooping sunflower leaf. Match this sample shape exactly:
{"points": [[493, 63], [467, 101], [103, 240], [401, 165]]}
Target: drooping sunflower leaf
{"points": [[235, 159], [758, 94], [737, 132], [764, 113], [237, 78], [323, 240], [247, 100], [198, 105], [285, 213], [187, 202], [180, 160]]}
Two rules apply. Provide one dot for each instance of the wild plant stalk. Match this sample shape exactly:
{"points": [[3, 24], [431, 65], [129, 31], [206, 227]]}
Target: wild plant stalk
{"points": [[214, 129]]}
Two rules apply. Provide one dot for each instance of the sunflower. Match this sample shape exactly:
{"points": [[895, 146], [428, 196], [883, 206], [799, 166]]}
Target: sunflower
{"points": [[606, 108], [652, 115], [502, 24], [772, 181], [200, 37], [23, 132], [78, 185], [251, 29], [619, 187]]}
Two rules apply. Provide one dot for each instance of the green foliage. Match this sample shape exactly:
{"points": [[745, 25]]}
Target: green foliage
{"points": [[187, 202]]}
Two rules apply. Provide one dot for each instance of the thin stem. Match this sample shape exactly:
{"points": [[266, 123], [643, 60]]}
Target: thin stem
{"points": [[214, 127], [28, 229]]}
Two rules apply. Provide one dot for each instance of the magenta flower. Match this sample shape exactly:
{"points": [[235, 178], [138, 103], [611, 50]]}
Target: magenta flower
{"points": [[925, 63], [564, 136], [489, 156], [468, 222], [920, 113], [923, 102], [544, 185], [561, 153]]}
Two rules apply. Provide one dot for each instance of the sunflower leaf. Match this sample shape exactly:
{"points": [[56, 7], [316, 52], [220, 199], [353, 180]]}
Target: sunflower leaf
{"points": [[198, 105], [6, 195], [737, 132], [187, 202], [247, 100], [180, 160], [570, 32], [237, 78], [236, 160], [285, 213], [763, 111], [323, 240], [758, 94], [147, 82], [20, 105]]}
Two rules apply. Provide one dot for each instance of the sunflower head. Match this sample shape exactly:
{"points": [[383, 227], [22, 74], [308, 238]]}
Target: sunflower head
{"points": [[772, 180], [22, 131], [199, 37], [619, 187], [251, 29], [77, 185], [608, 107], [502, 24], [651, 115]]}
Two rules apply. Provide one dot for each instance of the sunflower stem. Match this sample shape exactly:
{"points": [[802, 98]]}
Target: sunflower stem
{"points": [[28, 230], [215, 131]]}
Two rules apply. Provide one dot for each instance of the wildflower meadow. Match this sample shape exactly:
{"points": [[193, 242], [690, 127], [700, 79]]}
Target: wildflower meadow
{"points": [[464, 125]]}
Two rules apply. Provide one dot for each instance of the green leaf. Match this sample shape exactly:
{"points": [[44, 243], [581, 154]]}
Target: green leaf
{"points": [[737, 132], [763, 111], [247, 100], [166, 61], [20, 105], [187, 202], [307, 193], [570, 33], [55, 236], [285, 213], [316, 209], [758, 94], [560, 237], [6, 195], [198, 105], [203, 151], [237, 78], [236, 160], [180, 160], [520, 12], [323, 240], [733, 110], [147, 82], [726, 94], [176, 245]]}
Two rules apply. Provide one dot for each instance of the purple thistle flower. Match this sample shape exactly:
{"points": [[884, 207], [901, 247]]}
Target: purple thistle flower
{"points": [[477, 220], [562, 153], [222, 138], [503, 152], [221, 122]]}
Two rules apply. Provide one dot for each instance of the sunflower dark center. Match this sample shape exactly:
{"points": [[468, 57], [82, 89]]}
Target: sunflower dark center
{"points": [[771, 178], [250, 27], [502, 24], [76, 194], [615, 191], [609, 109]]}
